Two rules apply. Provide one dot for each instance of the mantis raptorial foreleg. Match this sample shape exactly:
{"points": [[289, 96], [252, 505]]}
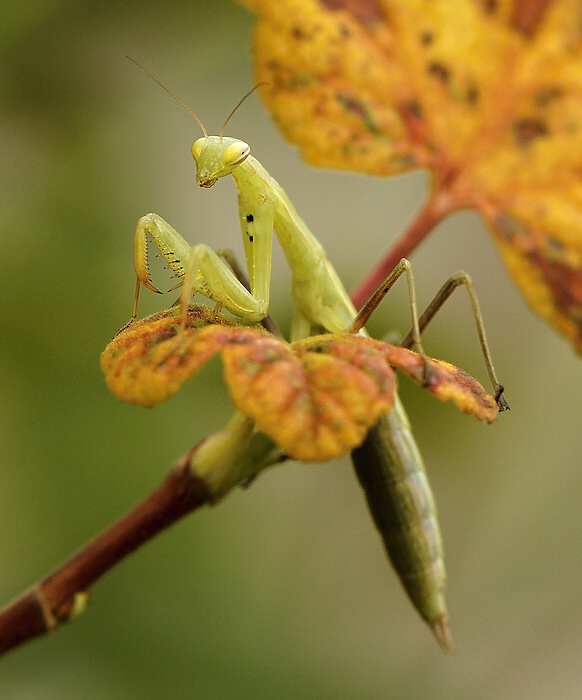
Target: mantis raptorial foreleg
{"points": [[389, 459], [199, 267]]}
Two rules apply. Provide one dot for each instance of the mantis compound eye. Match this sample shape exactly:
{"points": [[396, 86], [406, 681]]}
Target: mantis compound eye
{"points": [[197, 148], [236, 153]]}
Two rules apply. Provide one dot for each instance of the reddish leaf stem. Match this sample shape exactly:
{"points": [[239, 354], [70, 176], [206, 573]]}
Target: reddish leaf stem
{"points": [[435, 209], [51, 602]]}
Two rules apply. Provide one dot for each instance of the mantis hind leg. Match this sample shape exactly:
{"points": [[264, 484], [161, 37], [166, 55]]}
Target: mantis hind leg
{"points": [[461, 278], [420, 323]]}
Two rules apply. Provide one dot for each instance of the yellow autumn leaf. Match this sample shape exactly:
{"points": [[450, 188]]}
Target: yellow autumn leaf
{"points": [[316, 398], [487, 96]]}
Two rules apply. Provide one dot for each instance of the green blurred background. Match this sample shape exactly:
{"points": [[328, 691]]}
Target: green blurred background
{"points": [[282, 591]]}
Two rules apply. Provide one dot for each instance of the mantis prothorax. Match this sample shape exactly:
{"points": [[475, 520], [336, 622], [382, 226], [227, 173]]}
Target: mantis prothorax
{"points": [[389, 456]]}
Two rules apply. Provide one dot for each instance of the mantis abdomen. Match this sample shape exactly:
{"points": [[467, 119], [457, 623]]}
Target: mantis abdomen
{"points": [[391, 471]]}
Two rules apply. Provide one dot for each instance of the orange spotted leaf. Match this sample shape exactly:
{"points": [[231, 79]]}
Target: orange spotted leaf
{"points": [[447, 382], [316, 398], [486, 95], [315, 406], [143, 364]]}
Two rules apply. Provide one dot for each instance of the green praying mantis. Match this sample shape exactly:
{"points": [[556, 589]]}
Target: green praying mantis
{"points": [[389, 464]]}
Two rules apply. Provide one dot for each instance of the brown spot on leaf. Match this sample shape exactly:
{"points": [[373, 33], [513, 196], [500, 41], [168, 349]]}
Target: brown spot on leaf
{"points": [[353, 105], [427, 38], [546, 95], [527, 129], [440, 71], [413, 109], [473, 94], [527, 15], [365, 11], [490, 7]]}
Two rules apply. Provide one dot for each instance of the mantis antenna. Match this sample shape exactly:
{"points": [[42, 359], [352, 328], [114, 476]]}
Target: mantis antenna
{"points": [[178, 100], [250, 92]]}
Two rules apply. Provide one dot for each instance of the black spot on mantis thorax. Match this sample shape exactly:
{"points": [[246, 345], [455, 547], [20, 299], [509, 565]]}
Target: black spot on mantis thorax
{"points": [[248, 229]]}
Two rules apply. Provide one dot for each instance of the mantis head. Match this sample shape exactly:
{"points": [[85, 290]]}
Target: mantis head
{"points": [[217, 156]]}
